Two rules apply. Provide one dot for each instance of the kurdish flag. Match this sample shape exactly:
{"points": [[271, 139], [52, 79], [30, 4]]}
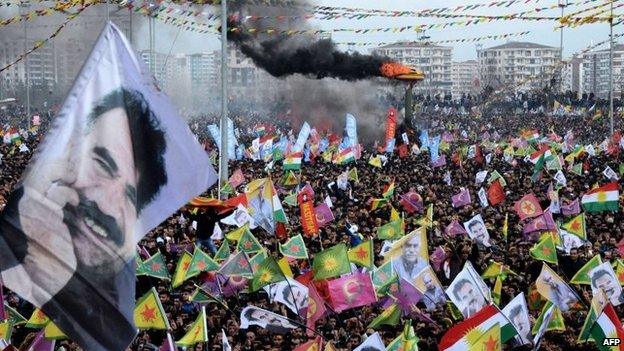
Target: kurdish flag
{"points": [[391, 230], [607, 325], [390, 316], [576, 226], [604, 198], [362, 254], [331, 262], [293, 161], [294, 248], [38, 319], [149, 312], [345, 156], [555, 319], [198, 332], [464, 335]]}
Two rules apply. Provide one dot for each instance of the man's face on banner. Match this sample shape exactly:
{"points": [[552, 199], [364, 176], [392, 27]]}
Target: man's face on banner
{"points": [[479, 232], [101, 185], [607, 284], [470, 297], [411, 249]]}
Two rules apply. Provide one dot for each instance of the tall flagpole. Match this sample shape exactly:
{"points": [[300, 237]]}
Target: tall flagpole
{"points": [[611, 69], [223, 149]]}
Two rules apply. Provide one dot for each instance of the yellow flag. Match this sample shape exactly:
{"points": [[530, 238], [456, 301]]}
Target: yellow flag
{"points": [[149, 313], [285, 267], [362, 254], [394, 215], [236, 234], [330, 346], [53, 332], [6, 329], [375, 162], [197, 333], [397, 246], [180, 273], [38, 319]]}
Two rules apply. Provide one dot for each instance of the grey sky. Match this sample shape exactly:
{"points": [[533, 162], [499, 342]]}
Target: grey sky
{"points": [[575, 39]]}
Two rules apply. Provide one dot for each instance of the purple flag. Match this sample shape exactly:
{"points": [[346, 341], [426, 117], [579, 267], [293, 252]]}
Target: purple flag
{"points": [[461, 199], [571, 209], [350, 291], [550, 222], [3, 315], [438, 257], [407, 297], [40, 343], [323, 214], [412, 202], [455, 229], [168, 345], [440, 162], [537, 224], [447, 137]]}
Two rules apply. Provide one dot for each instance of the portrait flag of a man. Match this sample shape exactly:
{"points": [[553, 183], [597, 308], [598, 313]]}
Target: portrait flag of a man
{"points": [[117, 161]]}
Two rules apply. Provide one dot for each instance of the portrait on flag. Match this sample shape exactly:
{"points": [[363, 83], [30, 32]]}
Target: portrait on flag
{"points": [[553, 288], [477, 231], [409, 255], [604, 278], [291, 293], [465, 292], [518, 314], [252, 315], [428, 284], [108, 171], [569, 241]]}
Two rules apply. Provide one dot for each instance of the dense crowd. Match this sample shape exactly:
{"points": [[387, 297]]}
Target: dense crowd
{"points": [[352, 206]]}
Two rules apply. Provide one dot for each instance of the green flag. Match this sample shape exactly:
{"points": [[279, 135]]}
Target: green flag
{"points": [[331, 262], [294, 248], [154, 266], [556, 322], [582, 276], [223, 253], [539, 167], [237, 266], [200, 262], [291, 200], [544, 250], [268, 272], [248, 243], [202, 296], [389, 316], [578, 169], [391, 231]]}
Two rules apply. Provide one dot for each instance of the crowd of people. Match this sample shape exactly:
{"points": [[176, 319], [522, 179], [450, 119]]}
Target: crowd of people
{"points": [[352, 206]]}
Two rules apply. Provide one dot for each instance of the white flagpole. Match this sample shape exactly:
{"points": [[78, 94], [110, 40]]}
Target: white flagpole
{"points": [[223, 149]]}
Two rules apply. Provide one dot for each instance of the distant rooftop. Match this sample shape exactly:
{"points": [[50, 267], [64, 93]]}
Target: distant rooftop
{"points": [[414, 44], [520, 45]]}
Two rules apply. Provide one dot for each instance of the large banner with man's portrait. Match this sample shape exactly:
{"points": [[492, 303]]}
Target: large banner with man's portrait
{"points": [[117, 161]]}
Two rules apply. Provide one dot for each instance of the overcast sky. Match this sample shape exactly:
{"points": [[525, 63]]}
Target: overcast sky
{"points": [[541, 32]]}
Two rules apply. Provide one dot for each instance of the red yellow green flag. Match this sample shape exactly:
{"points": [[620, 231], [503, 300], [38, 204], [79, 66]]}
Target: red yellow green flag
{"points": [[180, 273], [248, 243], [154, 267], [149, 312], [294, 248], [362, 254], [576, 226], [582, 276], [268, 272], [545, 250], [197, 333], [53, 332], [38, 319]]}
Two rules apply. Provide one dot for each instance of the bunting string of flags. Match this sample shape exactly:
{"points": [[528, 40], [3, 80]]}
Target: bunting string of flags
{"points": [[462, 40]]}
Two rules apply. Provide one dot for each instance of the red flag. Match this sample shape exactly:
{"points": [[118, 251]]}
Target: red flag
{"points": [[308, 217], [312, 345], [403, 152], [496, 194], [351, 291], [391, 121], [528, 207], [315, 310]]}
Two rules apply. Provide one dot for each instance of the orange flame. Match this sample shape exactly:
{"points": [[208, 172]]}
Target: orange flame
{"points": [[393, 69]]}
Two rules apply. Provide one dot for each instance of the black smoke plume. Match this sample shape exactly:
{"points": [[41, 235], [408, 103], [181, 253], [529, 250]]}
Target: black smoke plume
{"points": [[320, 59]]}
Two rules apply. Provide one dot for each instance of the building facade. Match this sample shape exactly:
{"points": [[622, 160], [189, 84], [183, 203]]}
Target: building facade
{"points": [[465, 78], [524, 65], [433, 60], [595, 72]]}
